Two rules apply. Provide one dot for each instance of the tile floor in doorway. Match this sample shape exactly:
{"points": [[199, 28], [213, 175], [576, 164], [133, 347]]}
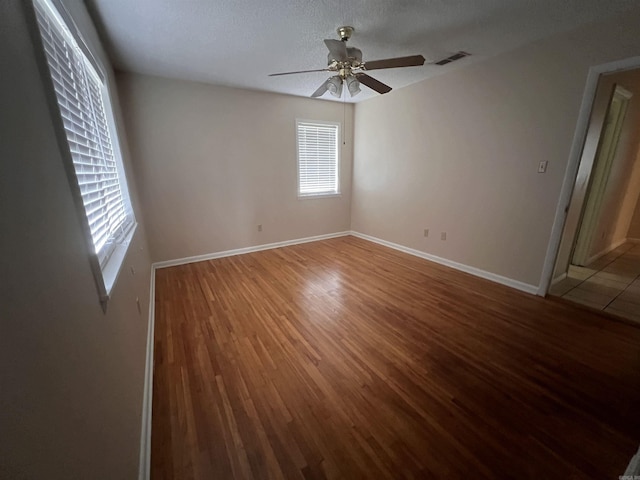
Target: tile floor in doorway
{"points": [[611, 283]]}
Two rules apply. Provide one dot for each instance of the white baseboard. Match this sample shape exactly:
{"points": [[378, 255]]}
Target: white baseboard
{"points": [[562, 276], [559, 278], [524, 287], [608, 249], [144, 470], [240, 251]]}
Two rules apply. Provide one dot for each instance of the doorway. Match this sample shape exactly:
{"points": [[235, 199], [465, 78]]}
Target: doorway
{"points": [[600, 173], [598, 261]]}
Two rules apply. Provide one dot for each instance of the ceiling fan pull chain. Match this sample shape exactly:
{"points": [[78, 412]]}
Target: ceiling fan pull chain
{"points": [[344, 117]]}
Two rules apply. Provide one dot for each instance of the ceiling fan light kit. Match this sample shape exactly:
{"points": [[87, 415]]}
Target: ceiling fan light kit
{"points": [[347, 63], [353, 85], [334, 85]]}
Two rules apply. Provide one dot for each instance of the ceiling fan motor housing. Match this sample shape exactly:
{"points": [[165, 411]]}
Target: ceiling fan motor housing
{"points": [[354, 59]]}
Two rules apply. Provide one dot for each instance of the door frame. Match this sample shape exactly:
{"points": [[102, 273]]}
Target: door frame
{"points": [[599, 176], [575, 155]]}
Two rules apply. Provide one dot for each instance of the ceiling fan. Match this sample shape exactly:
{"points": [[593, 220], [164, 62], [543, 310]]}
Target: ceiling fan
{"points": [[347, 63]]}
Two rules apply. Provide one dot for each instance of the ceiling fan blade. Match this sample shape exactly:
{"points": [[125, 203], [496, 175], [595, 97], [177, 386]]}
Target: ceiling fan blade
{"points": [[412, 61], [301, 71], [450, 58], [337, 49], [322, 89], [372, 83]]}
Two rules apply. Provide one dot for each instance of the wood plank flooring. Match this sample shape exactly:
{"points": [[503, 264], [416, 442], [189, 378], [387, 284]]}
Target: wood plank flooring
{"points": [[346, 359]]}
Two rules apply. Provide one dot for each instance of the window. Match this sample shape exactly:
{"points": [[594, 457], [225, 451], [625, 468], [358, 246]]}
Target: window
{"points": [[99, 185], [317, 158]]}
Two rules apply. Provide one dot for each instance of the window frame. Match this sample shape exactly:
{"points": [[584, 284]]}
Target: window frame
{"points": [[106, 264], [337, 193]]}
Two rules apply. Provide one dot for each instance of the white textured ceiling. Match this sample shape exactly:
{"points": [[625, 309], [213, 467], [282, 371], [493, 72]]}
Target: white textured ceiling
{"points": [[239, 42]]}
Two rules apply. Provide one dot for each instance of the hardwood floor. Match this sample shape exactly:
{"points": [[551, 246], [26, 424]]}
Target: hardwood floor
{"points": [[345, 359]]}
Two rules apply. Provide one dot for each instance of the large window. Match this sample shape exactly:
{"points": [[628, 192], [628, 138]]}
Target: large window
{"points": [[99, 184], [318, 162]]}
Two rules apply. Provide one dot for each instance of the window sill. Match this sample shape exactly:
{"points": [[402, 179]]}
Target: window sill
{"points": [[311, 196], [114, 265]]}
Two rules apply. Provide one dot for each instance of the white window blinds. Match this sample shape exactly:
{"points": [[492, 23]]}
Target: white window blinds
{"points": [[317, 158], [79, 91]]}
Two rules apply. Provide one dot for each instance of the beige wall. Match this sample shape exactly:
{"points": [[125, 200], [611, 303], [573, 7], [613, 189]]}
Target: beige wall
{"points": [[214, 162], [623, 186], [71, 376], [459, 153]]}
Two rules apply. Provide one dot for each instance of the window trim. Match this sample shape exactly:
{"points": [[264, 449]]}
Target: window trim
{"points": [[338, 192], [105, 270]]}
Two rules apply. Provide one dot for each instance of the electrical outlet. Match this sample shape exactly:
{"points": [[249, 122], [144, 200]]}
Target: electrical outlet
{"points": [[542, 167], [260, 227], [443, 236], [426, 232]]}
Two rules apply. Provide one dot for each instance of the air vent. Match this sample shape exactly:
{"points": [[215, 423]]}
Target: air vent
{"points": [[452, 58]]}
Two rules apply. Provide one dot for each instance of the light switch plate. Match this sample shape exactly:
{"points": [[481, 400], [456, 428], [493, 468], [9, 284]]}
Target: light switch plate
{"points": [[542, 167]]}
